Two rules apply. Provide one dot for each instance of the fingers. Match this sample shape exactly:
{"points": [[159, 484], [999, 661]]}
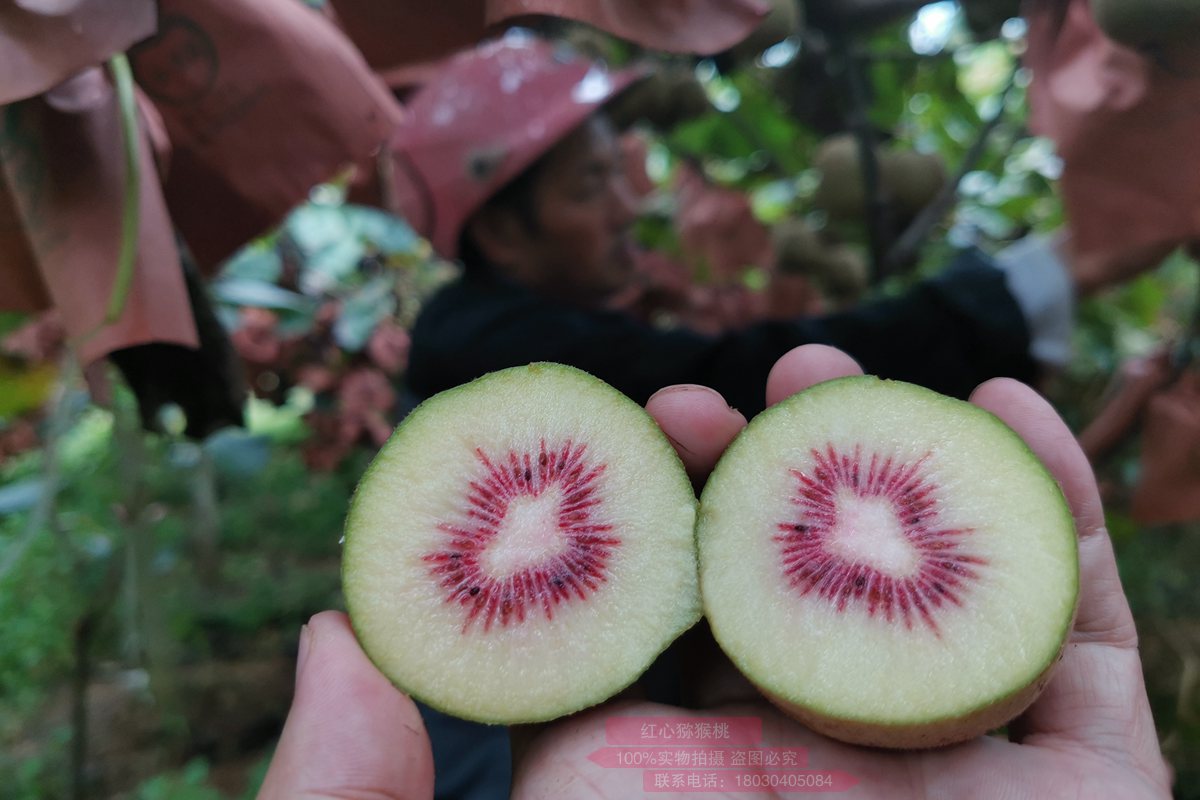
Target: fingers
{"points": [[1128, 396], [807, 366], [350, 733], [698, 422], [701, 425], [1103, 611], [1096, 699]]}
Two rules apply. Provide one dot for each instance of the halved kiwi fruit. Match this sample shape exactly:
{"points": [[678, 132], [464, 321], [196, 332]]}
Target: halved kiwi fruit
{"points": [[891, 566], [522, 547]]}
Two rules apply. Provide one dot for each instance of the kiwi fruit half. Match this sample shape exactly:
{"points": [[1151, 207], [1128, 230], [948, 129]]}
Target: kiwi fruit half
{"points": [[890, 566], [522, 547]]}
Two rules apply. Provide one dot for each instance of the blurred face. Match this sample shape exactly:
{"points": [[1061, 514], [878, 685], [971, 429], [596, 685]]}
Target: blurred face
{"points": [[578, 246]]}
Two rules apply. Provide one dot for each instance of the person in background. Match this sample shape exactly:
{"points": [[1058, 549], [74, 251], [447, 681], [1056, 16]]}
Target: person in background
{"points": [[508, 163]]}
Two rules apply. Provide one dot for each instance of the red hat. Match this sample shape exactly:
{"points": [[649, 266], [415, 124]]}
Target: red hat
{"points": [[489, 114]]}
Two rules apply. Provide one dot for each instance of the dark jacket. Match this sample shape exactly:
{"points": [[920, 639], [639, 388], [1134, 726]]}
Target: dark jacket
{"points": [[949, 333]]}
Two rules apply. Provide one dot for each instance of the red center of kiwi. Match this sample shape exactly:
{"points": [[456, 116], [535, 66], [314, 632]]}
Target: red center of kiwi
{"points": [[578, 560], [937, 566]]}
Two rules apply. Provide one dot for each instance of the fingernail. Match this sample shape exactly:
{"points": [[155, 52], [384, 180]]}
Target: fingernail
{"points": [[305, 647], [685, 387]]}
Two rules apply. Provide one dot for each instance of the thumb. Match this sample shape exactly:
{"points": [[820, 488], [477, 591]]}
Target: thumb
{"points": [[350, 733]]}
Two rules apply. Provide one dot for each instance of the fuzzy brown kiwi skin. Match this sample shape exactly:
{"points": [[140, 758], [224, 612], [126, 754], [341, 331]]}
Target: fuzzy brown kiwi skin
{"points": [[346, 572], [938, 732]]}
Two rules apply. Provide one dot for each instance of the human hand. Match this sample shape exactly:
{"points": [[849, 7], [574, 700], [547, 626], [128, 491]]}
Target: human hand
{"points": [[1090, 734], [1124, 402], [1170, 454], [1096, 270], [350, 734]]}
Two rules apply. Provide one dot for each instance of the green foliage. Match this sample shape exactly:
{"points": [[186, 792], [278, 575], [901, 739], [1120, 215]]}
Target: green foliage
{"points": [[239, 291], [10, 321], [279, 527], [753, 130], [22, 388], [362, 312], [41, 599], [329, 249], [935, 103], [38, 607], [282, 424], [190, 783], [20, 496]]}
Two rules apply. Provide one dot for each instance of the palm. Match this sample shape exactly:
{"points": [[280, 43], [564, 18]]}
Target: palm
{"points": [[1090, 734], [558, 764]]}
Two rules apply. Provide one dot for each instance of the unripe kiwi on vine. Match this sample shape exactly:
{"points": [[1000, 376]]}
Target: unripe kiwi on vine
{"points": [[913, 178], [841, 190], [838, 271], [892, 567], [798, 246], [844, 274], [910, 180], [1162, 27], [522, 547]]}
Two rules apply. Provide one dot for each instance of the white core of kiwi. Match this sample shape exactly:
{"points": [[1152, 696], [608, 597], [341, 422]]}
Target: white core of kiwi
{"points": [[849, 665], [538, 668]]}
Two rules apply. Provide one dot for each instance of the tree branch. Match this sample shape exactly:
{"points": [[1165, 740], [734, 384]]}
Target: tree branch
{"points": [[913, 239], [878, 211]]}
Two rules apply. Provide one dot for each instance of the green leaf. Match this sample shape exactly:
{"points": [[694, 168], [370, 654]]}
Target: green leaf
{"points": [[383, 232], [316, 227], [24, 388], [20, 496], [1144, 300], [11, 320], [238, 454], [755, 279], [294, 323], [362, 312], [280, 424], [331, 266], [773, 201], [190, 783], [983, 70], [258, 261], [259, 294], [658, 232]]}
